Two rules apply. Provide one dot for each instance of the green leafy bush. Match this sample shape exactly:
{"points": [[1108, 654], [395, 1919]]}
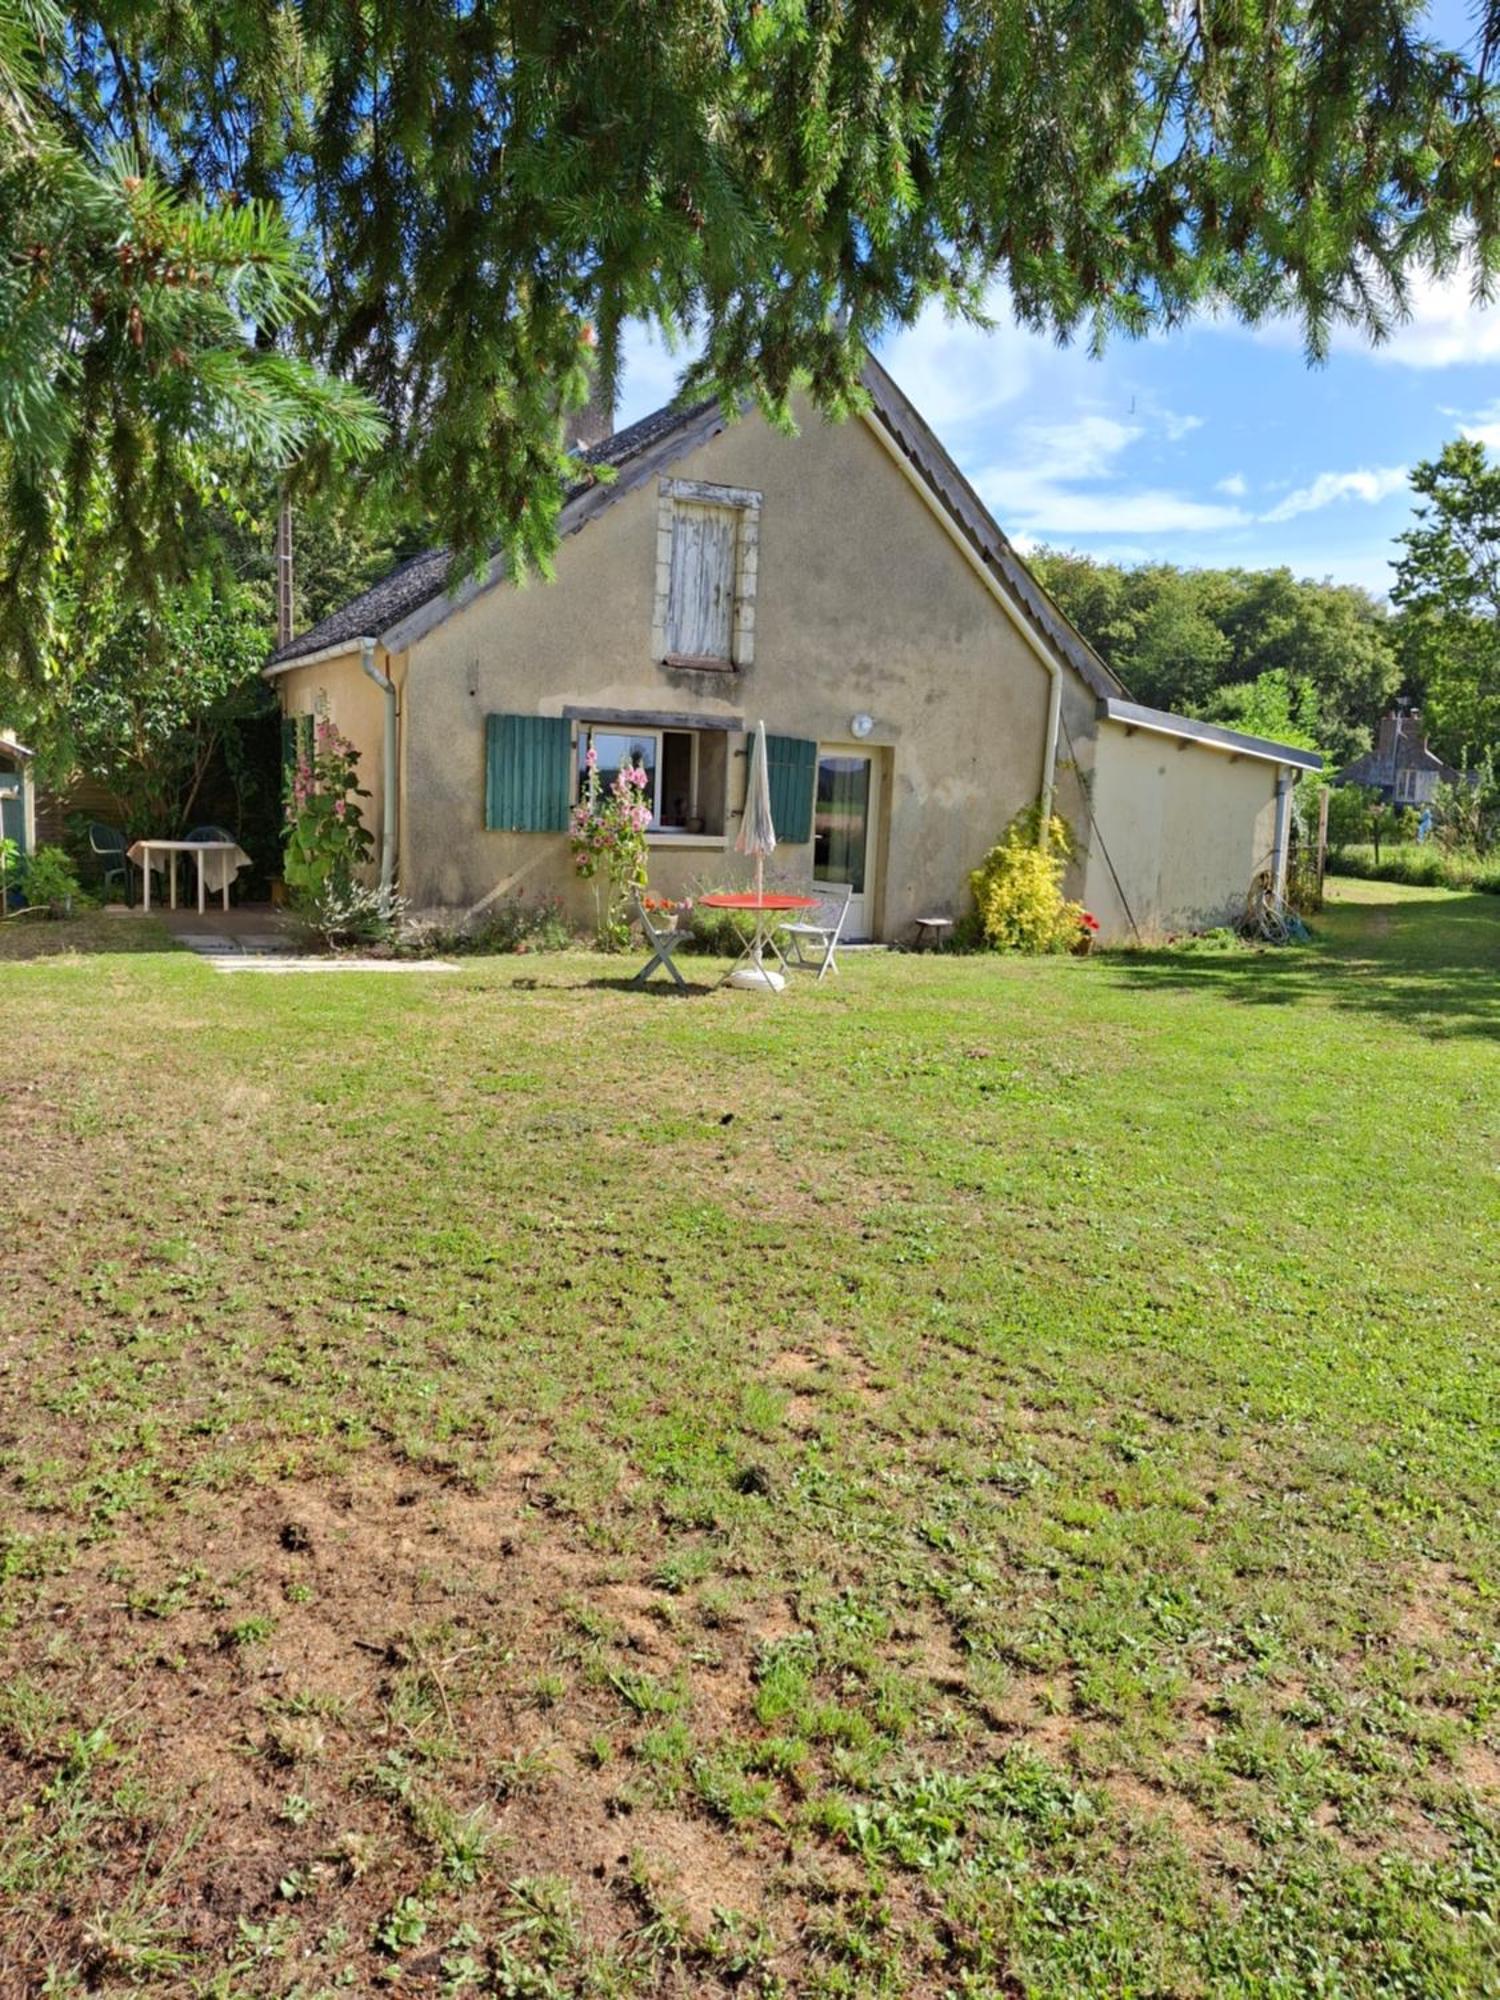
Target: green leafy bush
{"points": [[1421, 867], [1017, 890], [514, 924], [50, 881], [352, 915]]}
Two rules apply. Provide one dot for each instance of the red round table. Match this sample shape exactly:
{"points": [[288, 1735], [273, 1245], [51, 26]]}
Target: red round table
{"points": [[760, 907]]}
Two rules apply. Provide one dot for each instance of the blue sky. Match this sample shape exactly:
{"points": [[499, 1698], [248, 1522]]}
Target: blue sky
{"points": [[1214, 446]]}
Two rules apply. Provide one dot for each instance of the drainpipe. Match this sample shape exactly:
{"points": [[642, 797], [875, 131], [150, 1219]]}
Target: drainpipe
{"points": [[1049, 751], [388, 788], [1282, 847]]}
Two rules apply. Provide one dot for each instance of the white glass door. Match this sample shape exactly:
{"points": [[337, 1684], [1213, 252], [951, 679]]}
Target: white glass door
{"points": [[845, 816]]}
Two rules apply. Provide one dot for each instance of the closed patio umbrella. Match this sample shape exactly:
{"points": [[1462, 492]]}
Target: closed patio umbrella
{"points": [[757, 836]]}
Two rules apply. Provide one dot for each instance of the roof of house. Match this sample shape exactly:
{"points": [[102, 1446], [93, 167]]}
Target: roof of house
{"points": [[423, 579], [416, 595], [1186, 729], [12, 748], [1379, 766]]}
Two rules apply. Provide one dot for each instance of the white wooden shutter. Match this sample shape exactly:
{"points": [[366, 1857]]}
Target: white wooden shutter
{"points": [[700, 606]]}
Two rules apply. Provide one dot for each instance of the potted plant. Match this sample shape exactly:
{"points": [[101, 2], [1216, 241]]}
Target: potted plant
{"points": [[1088, 930], [666, 914]]}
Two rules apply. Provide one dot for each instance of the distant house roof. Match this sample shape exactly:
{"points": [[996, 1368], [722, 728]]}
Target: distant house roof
{"points": [[416, 596], [1400, 745]]}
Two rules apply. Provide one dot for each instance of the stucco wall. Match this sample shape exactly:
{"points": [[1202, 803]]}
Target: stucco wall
{"points": [[1186, 828], [340, 689], [863, 604]]}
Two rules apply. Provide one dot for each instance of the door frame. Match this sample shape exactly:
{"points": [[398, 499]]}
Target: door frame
{"points": [[873, 894]]}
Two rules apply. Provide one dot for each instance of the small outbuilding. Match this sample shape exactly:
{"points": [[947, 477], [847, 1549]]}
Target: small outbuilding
{"points": [[17, 794], [847, 585]]}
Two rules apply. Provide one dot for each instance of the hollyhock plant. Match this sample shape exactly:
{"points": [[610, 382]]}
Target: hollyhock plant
{"points": [[608, 837], [327, 841]]}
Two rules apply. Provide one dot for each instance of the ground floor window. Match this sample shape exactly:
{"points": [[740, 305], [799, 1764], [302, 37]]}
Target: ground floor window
{"points": [[685, 771]]}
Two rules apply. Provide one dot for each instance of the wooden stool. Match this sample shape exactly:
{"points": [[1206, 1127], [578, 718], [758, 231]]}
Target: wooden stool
{"points": [[931, 931]]}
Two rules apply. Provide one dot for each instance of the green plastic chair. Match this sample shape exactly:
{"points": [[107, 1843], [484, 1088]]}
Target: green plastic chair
{"points": [[109, 843]]}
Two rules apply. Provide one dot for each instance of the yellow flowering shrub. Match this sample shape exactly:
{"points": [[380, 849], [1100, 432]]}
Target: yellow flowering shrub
{"points": [[1017, 890]]}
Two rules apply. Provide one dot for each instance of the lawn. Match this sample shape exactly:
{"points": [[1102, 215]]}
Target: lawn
{"points": [[978, 1478]]}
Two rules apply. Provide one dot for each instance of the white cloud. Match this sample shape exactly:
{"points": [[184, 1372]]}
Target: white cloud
{"points": [[1443, 327], [1368, 485], [1083, 447], [1178, 426], [1057, 483], [1235, 486], [957, 374], [1043, 508], [1483, 427]]}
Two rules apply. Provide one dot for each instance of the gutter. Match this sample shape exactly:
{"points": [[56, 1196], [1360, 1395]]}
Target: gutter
{"points": [[388, 768], [339, 650], [1281, 848]]}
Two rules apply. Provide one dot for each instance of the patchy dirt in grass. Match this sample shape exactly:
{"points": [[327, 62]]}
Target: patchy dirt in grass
{"points": [[296, 1643]]}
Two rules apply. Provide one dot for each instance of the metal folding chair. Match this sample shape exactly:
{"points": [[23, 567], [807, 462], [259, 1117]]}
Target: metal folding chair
{"points": [[813, 940]]}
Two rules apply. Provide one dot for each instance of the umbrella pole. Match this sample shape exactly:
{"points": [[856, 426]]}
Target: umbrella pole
{"points": [[760, 915]]}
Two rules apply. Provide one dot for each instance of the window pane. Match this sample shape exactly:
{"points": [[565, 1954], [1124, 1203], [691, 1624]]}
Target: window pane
{"points": [[839, 821], [676, 778], [615, 750]]}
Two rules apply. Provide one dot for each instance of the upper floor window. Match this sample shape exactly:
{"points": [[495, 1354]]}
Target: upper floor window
{"points": [[707, 557]]}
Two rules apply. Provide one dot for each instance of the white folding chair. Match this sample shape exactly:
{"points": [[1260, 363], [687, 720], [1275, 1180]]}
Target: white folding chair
{"points": [[663, 943], [814, 938]]}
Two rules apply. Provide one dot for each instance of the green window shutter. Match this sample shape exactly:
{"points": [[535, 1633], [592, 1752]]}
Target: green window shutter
{"points": [[528, 786], [792, 765]]}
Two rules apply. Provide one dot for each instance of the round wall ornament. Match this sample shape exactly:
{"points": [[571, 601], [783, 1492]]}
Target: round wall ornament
{"points": [[862, 724]]}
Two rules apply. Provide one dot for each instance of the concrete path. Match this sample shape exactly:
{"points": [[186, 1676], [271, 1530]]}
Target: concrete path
{"points": [[267, 951]]}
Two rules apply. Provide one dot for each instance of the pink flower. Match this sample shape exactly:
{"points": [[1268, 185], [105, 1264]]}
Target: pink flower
{"points": [[592, 759]]}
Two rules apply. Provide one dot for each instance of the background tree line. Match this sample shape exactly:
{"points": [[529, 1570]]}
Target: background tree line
{"points": [[1312, 661]]}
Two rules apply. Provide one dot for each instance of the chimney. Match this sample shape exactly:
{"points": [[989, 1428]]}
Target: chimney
{"points": [[593, 423]]}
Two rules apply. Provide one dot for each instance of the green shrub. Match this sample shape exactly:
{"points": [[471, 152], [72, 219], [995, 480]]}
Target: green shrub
{"points": [[1421, 867], [1017, 890], [725, 933], [720, 933], [50, 880], [514, 924], [351, 916]]}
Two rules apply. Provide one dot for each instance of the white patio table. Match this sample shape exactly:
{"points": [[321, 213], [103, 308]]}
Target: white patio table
{"points": [[225, 857]]}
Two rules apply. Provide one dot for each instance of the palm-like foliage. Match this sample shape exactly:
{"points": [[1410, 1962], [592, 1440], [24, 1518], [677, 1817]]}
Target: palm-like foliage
{"points": [[137, 350]]}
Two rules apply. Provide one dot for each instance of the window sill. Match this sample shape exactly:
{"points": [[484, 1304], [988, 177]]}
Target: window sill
{"points": [[699, 663], [669, 837]]}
